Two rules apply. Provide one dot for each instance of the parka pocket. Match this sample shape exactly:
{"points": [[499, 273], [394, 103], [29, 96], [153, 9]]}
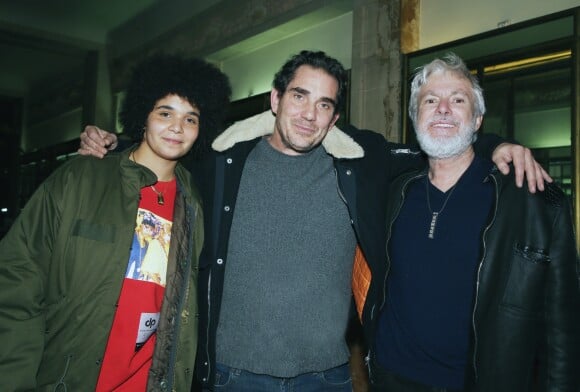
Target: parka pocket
{"points": [[525, 289], [94, 231]]}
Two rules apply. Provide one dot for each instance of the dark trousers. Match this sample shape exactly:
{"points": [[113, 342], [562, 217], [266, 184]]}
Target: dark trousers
{"points": [[382, 380]]}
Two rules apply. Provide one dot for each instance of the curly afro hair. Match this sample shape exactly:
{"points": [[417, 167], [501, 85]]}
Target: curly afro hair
{"points": [[199, 82]]}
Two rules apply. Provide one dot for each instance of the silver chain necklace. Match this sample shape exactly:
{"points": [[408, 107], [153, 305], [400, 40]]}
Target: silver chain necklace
{"points": [[435, 214]]}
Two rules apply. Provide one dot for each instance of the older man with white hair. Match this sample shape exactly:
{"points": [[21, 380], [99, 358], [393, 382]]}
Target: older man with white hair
{"points": [[480, 288]]}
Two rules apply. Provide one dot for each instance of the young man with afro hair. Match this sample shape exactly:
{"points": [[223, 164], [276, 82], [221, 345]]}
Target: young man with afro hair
{"points": [[98, 275]]}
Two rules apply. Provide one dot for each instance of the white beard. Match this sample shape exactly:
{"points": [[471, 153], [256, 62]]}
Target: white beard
{"points": [[447, 146]]}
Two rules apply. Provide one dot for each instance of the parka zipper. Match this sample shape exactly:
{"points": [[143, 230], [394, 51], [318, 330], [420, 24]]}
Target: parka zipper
{"points": [[475, 302], [209, 305], [183, 297]]}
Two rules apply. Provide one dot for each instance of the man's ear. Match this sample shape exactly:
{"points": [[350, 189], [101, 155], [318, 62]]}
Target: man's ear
{"points": [[274, 100], [334, 119], [478, 121]]}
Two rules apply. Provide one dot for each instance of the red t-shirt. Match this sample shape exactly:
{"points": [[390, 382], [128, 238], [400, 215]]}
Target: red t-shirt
{"points": [[131, 340]]}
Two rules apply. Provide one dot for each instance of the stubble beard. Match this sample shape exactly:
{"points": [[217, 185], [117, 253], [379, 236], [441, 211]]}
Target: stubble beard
{"points": [[296, 142]]}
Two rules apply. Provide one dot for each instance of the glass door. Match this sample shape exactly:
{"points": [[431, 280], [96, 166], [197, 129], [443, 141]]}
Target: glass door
{"points": [[533, 105]]}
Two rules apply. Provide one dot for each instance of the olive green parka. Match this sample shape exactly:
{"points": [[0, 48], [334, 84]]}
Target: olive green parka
{"points": [[62, 265]]}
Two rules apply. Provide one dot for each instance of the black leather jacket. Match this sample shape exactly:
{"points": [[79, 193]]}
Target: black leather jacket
{"points": [[526, 313]]}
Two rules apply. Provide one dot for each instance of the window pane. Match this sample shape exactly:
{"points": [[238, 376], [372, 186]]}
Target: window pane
{"points": [[542, 109], [497, 101], [543, 121]]}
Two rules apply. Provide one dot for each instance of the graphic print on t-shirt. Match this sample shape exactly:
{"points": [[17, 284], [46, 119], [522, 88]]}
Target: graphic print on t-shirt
{"points": [[148, 259], [129, 352]]}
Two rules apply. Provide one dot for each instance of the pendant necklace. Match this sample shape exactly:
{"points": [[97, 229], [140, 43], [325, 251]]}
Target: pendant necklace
{"points": [[435, 214], [160, 199]]}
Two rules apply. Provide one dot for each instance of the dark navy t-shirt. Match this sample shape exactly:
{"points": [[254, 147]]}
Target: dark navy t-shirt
{"points": [[425, 326]]}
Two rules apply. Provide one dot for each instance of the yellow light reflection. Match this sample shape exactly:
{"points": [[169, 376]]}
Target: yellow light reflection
{"points": [[528, 62]]}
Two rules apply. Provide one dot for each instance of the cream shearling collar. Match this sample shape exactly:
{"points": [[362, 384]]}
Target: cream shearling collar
{"points": [[336, 143]]}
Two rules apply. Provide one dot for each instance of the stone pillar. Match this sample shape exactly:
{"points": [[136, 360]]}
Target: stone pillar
{"points": [[376, 67]]}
